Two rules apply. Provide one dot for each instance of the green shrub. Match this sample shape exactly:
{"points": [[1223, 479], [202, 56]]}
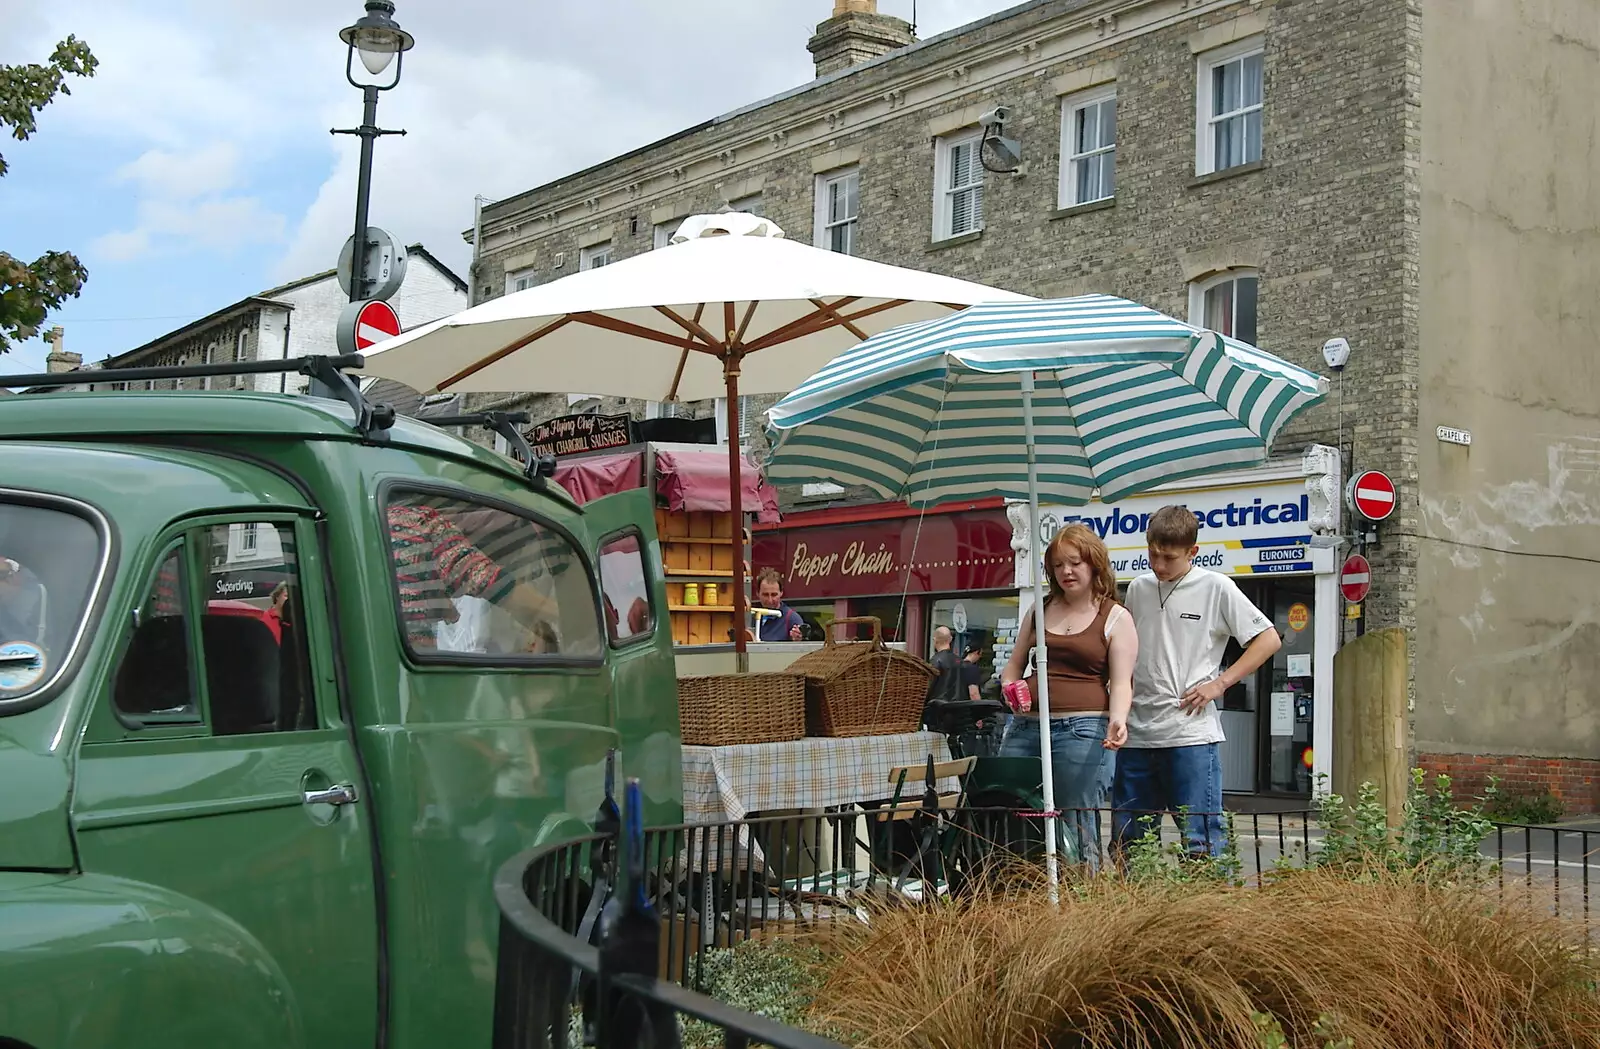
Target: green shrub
{"points": [[1154, 862], [1437, 839], [777, 979], [1527, 807], [1269, 1033]]}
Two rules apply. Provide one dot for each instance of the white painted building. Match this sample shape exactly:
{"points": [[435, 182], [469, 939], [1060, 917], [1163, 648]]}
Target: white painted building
{"points": [[297, 319]]}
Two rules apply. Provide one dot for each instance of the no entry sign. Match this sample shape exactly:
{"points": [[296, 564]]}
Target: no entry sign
{"points": [[1373, 495], [1355, 578], [377, 321], [362, 325]]}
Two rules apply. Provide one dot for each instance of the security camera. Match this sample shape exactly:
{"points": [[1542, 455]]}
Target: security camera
{"points": [[1002, 155], [996, 152], [996, 117]]}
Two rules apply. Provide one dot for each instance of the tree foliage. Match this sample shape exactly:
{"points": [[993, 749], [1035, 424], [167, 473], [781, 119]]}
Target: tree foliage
{"points": [[30, 290]]}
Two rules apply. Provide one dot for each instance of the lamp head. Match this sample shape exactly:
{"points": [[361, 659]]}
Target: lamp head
{"points": [[377, 36]]}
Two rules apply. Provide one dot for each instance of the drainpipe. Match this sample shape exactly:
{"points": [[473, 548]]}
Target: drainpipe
{"points": [[283, 377], [477, 248]]}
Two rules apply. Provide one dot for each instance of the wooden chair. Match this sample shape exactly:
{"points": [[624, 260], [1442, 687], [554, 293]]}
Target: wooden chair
{"points": [[931, 800], [930, 829]]}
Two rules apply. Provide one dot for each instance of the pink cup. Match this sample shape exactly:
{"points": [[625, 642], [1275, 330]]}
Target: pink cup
{"points": [[1017, 696]]}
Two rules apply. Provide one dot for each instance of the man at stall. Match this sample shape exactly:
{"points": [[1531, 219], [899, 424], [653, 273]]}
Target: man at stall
{"points": [[787, 625]]}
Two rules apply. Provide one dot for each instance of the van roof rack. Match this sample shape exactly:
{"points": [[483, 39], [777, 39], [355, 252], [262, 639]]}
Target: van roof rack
{"points": [[535, 467], [372, 421]]}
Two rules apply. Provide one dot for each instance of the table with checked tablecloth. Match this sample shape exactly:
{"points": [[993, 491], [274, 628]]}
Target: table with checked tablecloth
{"points": [[729, 783]]}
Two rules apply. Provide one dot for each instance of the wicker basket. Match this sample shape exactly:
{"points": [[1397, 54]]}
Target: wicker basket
{"points": [[725, 710], [863, 688]]}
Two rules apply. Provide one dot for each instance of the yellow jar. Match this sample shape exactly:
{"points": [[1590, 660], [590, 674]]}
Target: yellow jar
{"points": [[711, 593], [691, 593]]}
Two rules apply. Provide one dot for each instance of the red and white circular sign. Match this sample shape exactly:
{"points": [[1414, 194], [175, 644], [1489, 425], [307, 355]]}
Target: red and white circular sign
{"points": [[376, 321], [1373, 494], [1355, 578]]}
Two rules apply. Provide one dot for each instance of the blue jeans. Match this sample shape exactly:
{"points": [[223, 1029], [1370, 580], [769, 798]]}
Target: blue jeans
{"points": [[1081, 772], [1161, 780]]}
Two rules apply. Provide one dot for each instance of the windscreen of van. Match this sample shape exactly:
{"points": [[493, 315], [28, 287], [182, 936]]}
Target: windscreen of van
{"points": [[51, 560]]}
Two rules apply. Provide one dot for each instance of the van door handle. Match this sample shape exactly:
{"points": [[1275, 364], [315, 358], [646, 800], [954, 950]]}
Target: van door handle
{"points": [[338, 794]]}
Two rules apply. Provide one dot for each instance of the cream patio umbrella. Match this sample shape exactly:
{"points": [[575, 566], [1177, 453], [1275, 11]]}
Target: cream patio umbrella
{"points": [[731, 307]]}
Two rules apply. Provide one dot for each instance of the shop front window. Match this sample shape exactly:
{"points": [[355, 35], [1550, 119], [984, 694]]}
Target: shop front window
{"points": [[818, 615], [988, 624], [890, 611]]}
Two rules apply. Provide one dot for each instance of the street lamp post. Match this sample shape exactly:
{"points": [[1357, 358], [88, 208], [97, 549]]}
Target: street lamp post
{"points": [[379, 40]]}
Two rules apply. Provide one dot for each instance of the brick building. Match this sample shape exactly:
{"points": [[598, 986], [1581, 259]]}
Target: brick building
{"points": [[1412, 175], [296, 319]]}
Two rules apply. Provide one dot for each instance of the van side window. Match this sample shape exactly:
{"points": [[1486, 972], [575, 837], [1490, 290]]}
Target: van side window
{"points": [[156, 681], [257, 662], [252, 655], [476, 580], [626, 589]]}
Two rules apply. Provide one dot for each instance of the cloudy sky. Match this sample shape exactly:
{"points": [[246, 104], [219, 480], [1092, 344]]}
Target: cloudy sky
{"points": [[196, 167]]}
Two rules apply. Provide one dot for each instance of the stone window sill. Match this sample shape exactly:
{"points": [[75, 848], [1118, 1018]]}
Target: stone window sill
{"points": [[1083, 209], [954, 242], [1227, 173]]}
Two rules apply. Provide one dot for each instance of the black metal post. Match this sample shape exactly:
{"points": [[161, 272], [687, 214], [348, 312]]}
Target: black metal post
{"points": [[368, 132]]}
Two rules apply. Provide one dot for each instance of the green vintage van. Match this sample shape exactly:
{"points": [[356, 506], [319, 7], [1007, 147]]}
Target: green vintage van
{"points": [[280, 688]]}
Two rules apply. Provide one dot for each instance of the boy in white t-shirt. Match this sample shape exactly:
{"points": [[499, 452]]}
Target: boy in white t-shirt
{"points": [[1185, 615]]}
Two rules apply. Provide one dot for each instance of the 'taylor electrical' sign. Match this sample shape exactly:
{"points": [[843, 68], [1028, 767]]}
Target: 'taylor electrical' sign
{"points": [[1255, 529]]}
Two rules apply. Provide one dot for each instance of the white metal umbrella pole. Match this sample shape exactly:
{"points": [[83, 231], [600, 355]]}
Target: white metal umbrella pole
{"points": [[1041, 665]]}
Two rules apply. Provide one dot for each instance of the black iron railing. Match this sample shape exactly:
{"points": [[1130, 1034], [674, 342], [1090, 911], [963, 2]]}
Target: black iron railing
{"points": [[571, 963], [555, 987], [1548, 868]]}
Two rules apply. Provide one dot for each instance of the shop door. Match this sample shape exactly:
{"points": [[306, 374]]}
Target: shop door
{"points": [[1241, 711], [1285, 749]]}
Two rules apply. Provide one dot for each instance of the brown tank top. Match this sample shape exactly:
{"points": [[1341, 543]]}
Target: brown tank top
{"points": [[1078, 668]]}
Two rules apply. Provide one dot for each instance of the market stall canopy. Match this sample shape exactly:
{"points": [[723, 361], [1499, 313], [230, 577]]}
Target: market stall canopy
{"points": [[691, 480], [699, 481], [732, 280], [599, 475]]}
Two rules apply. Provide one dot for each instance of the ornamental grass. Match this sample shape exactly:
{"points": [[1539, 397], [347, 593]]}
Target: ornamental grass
{"points": [[1312, 958]]}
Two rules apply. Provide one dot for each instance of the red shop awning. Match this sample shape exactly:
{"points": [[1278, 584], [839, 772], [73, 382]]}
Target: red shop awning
{"points": [[699, 481], [599, 475]]}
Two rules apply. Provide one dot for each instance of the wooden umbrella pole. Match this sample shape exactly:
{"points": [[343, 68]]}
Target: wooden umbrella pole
{"points": [[730, 374]]}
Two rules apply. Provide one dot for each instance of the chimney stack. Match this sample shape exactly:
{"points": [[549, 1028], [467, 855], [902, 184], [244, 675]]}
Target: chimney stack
{"points": [[855, 34], [59, 360]]}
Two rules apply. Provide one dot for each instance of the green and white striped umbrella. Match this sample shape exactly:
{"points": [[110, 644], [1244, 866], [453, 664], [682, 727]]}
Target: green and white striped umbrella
{"points": [[1039, 399], [1126, 398]]}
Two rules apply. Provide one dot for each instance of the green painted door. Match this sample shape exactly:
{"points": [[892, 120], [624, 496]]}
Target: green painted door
{"points": [[219, 765], [644, 683]]}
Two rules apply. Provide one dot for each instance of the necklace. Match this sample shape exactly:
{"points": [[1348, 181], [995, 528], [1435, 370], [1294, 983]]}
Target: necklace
{"points": [[1162, 600], [1072, 614]]}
